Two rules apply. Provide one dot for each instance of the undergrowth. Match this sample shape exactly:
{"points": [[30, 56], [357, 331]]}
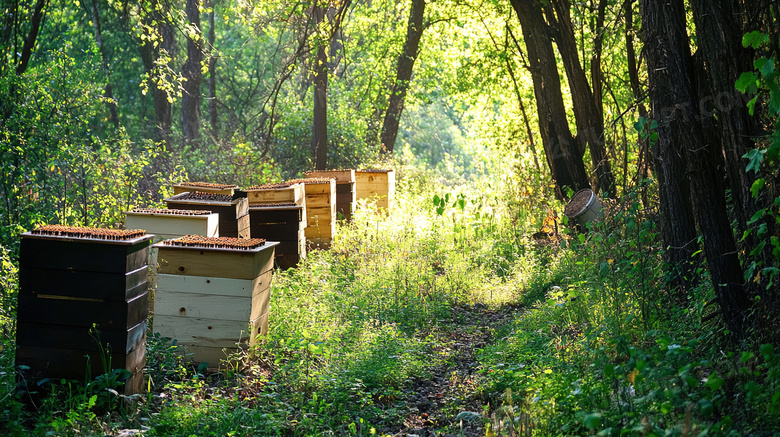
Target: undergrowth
{"points": [[598, 346]]}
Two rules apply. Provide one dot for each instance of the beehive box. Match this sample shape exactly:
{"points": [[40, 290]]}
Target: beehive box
{"points": [[204, 187], [346, 195], [173, 223], [283, 223], [233, 212], [320, 211], [213, 293], [285, 192], [71, 279], [379, 184], [165, 224]]}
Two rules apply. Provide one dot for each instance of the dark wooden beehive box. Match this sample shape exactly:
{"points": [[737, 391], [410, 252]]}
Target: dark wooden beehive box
{"points": [[233, 212], [211, 296], [346, 195], [283, 223], [67, 285]]}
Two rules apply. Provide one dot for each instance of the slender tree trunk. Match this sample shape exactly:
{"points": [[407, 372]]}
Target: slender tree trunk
{"points": [[191, 73], [319, 137], [32, 37], [521, 105], [590, 125], [685, 148], [403, 77], [109, 94], [213, 115], [563, 156], [149, 54]]}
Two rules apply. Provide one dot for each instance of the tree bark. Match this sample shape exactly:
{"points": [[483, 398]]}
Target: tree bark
{"points": [[587, 114], [685, 148], [149, 54], [403, 77], [109, 94], [191, 73], [563, 156], [32, 36], [213, 115], [319, 137]]}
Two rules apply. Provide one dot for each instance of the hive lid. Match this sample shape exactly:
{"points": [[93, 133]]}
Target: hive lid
{"points": [[163, 211], [197, 197], [230, 244], [88, 234]]}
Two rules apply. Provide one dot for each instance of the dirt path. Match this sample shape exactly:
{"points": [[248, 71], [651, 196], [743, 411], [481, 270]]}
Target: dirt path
{"points": [[435, 402]]}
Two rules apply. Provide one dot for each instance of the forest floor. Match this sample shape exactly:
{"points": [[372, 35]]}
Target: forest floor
{"points": [[435, 401]]}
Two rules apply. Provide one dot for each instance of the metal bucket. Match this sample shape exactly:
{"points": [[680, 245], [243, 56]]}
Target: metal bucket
{"points": [[584, 207]]}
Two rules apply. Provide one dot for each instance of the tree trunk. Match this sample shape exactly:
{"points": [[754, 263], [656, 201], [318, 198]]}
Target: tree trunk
{"points": [[213, 116], [149, 54], [191, 73], [587, 115], [563, 156], [29, 43], [685, 149], [403, 76], [109, 94], [319, 137]]}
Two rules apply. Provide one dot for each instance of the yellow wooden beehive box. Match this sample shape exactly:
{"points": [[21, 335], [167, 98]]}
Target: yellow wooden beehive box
{"points": [[376, 184], [320, 211], [346, 196]]}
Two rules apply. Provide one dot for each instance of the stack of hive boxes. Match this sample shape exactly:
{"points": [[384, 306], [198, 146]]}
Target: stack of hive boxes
{"points": [[83, 303], [278, 212]]}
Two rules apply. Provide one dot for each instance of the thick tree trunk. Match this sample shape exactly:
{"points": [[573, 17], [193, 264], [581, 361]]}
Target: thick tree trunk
{"points": [[213, 115], [719, 32], [685, 148], [563, 156], [403, 76], [191, 73], [32, 36], [109, 94], [587, 114]]}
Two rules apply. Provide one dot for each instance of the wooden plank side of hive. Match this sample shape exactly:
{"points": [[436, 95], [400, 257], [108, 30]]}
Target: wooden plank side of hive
{"points": [[66, 311], [237, 264], [109, 286], [203, 306], [194, 331], [122, 340], [213, 285], [174, 225]]}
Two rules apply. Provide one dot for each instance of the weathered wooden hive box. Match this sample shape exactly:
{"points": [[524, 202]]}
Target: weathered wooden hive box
{"points": [[233, 211], [379, 184], [346, 196], [165, 224], [173, 223], [320, 211], [283, 223], [204, 187], [282, 193], [71, 279], [213, 294]]}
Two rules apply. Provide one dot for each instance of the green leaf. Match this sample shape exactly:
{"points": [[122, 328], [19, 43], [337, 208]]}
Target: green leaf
{"points": [[593, 420], [751, 105], [754, 157], [754, 39], [714, 382], [756, 187], [758, 249], [746, 82], [768, 351], [757, 216], [706, 406]]}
